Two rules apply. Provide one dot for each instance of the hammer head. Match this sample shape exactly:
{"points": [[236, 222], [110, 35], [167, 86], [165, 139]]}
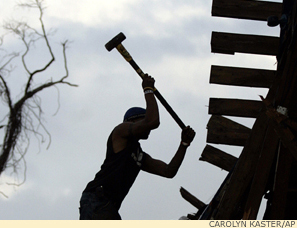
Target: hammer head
{"points": [[115, 41]]}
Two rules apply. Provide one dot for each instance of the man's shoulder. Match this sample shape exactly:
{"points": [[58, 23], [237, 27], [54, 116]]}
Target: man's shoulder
{"points": [[122, 130], [121, 136]]}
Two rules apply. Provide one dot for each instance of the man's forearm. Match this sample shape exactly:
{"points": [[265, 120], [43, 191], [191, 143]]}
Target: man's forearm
{"points": [[177, 160]]}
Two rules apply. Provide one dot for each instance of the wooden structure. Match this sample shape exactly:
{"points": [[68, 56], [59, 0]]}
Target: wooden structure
{"points": [[267, 165]]}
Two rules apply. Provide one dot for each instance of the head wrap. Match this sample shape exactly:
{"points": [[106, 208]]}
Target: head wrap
{"points": [[134, 113]]}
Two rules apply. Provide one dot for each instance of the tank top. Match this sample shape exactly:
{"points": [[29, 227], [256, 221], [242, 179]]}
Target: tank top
{"points": [[118, 171]]}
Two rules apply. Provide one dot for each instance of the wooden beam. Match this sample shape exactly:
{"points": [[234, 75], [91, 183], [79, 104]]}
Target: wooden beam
{"points": [[279, 201], [260, 180], [286, 135], [225, 131], [234, 107], [229, 43], [285, 77], [283, 93], [218, 158], [286, 84], [236, 76], [246, 9], [211, 210], [244, 170], [191, 199], [291, 209]]}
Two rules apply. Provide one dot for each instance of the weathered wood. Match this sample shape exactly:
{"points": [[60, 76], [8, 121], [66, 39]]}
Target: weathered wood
{"points": [[291, 208], [246, 9], [234, 107], [284, 94], [191, 199], [218, 158], [287, 86], [288, 82], [236, 76], [286, 135], [225, 131], [261, 176], [278, 209], [244, 170], [286, 74], [229, 43]]}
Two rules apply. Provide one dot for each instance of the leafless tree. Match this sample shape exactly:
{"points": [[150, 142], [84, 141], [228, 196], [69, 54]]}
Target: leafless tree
{"points": [[24, 115]]}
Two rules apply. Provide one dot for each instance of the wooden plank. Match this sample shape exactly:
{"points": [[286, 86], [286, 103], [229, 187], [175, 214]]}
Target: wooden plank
{"points": [[280, 95], [246, 9], [291, 209], [234, 107], [288, 82], [283, 78], [284, 94], [261, 176], [191, 199], [229, 43], [225, 131], [278, 209], [286, 89], [218, 158], [211, 209], [244, 170], [236, 76], [286, 135]]}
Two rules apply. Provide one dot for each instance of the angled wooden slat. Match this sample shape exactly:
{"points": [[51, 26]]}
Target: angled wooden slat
{"points": [[262, 172], [281, 184], [218, 158], [191, 199], [229, 43], [244, 169], [234, 107], [246, 9], [236, 76], [225, 131]]}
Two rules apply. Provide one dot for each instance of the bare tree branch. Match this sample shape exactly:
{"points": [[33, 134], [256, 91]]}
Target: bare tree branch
{"points": [[2, 193], [7, 92], [33, 4], [11, 57], [25, 113], [44, 35]]}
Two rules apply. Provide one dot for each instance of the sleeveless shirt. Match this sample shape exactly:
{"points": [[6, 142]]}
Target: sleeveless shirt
{"points": [[118, 171]]}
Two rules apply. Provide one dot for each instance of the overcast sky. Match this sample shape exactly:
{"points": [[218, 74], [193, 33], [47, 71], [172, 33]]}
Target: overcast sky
{"points": [[170, 40]]}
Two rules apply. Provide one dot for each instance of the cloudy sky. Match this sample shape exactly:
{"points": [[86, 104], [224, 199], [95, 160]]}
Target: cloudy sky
{"points": [[170, 40]]}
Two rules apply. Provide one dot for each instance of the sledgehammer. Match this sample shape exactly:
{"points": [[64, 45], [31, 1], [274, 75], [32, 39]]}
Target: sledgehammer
{"points": [[116, 42]]}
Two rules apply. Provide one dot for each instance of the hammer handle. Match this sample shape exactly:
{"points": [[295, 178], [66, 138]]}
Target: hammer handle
{"points": [[129, 59]]}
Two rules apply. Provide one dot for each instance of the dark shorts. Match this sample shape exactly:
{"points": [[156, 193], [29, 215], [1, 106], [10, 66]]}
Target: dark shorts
{"points": [[97, 207]]}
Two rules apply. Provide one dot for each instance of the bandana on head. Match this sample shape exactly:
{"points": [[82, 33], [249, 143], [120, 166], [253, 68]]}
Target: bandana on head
{"points": [[134, 113]]}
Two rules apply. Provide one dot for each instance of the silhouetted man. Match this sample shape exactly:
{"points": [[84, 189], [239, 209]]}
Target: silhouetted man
{"points": [[103, 196]]}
